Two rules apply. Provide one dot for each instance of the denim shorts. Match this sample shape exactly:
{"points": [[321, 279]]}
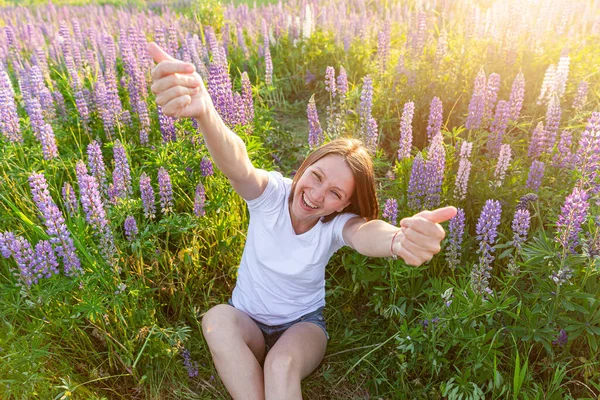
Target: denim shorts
{"points": [[272, 333]]}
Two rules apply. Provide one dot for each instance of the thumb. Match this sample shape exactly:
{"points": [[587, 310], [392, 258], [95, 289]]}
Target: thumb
{"points": [[436, 216], [158, 54]]}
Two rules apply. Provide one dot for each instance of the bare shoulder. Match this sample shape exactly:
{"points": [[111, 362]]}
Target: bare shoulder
{"points": [[350, 229]]}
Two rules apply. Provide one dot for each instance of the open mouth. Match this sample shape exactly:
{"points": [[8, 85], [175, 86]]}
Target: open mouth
{"points": [[307, 203]]}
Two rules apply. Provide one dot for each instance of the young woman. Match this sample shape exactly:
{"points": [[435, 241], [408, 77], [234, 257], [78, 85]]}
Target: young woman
{"points": [[272, 333]]}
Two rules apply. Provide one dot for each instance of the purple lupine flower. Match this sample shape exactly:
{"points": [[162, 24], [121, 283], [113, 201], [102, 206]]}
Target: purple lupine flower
{"points": [[95, 215], [520, 227], [390, 211], [6, 240], [54, 221], [434, 124], [268, 67], [372, 135], [564, 157], [477, 103], [562, 339], [190, 365], [456, 231], [165, 191], [247, 98], [486, 230], [44, 264], [383, 47], [536, 174], [464, 170], [406, 130], [23, 255], [517, 94], [342, 85], [330, 85], [552, 122], [562, 75], [96, 164], [121, 173], [417, 183], [588, 153], [434, 172], [315, 133], [573, 214], [498, 128], [147, 196], [199, 200], [70, 199], [9, 118], [220, 87], [502, 164], [562, 276], [537, 142], [130, 228], [526, 200], [366, 104], [144, 118], [491, 95], [442, 47], [206, 167], [580, 98]]}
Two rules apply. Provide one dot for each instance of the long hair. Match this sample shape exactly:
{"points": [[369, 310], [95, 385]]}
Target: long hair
{"points": [[363, 201]]}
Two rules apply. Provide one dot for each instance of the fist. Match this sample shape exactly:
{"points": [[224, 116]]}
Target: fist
{"points": [[178, 88], [420, 235]]}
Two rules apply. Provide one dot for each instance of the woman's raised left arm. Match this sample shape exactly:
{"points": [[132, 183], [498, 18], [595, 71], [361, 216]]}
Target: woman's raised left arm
{"points": [[416, 241]]}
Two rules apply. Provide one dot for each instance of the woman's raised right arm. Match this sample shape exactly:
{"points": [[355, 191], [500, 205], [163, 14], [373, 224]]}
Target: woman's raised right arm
{"points": [[180, 92]]}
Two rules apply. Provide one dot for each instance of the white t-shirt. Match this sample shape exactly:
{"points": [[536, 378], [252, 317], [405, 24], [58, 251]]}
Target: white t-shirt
{"points": [[282, 275]]}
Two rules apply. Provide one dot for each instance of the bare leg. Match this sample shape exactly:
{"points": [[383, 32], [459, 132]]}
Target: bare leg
{"points": [[237, 346], [295, 355]]}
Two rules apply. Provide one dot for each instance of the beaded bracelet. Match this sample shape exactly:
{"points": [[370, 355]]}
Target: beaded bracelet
{"points": [[394, 256]]}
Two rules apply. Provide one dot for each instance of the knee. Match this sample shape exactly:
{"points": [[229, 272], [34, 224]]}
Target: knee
{"points": [[216, 323], [280, 365]]}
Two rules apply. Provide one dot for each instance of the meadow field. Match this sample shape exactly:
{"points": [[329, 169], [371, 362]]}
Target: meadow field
{"points": [[117, 233]]}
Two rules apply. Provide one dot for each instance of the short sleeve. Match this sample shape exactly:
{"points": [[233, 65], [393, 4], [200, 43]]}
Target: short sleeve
{"points": [[271, 197], [339, 222]]}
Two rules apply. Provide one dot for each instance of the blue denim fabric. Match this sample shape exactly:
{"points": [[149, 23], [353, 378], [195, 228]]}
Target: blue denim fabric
{"points": [[272, 333]]}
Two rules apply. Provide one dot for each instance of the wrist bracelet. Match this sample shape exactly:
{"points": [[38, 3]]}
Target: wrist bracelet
{"points": [[394, 256]]}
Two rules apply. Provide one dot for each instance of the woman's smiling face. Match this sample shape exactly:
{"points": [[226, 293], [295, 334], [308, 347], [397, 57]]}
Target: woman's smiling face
{"points": [[325, 187]]}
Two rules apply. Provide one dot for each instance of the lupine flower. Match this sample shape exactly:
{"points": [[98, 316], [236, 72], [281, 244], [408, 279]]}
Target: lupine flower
{"points": [[477, 103], [562, 339], [520, 227], [537, 142], [130, 227], [366, 103], [247, 98], [383, 47], [268, 67], [486, 229], [330, 84], [6, 240], [121, 173], [588, 153], [456, 231], [462, 179], [165, 191], [147, 196], [502, 165], [498, 128], [372, 135], [406, 130], [434, 124], [167, 126], [206, 167], [315, 133], [23, 255], [54, 221], [572, 216], [536, 174], [44, 264], [562, 75], [442, 47], [190, 365], [390, 211], [548, 85], [580, 98], [517, 94], [342, 84], [552, 122], [491, 95], [562, 276], [526, 200], [563, 157], [96, 164], [70, 199], [9, 119], [434, 172], [199, 200], [417, 183]]}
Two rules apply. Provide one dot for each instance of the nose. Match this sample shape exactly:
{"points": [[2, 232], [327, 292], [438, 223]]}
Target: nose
{"points": [[319, 193]]}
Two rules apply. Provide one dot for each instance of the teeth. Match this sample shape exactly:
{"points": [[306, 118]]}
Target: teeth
{"points": [[307, 202]]}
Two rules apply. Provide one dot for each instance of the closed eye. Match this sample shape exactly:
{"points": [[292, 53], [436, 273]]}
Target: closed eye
{"points": [[317, 176], [337, 194]]}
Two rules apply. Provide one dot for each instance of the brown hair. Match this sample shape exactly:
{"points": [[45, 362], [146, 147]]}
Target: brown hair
{"points": [[363, 201]]}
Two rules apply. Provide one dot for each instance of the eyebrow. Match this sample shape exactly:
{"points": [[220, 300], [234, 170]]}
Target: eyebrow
{"points": [[335, 187]]}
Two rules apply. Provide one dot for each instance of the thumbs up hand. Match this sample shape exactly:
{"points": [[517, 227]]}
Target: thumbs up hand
{"points": [[420, 235], [178, 88]]}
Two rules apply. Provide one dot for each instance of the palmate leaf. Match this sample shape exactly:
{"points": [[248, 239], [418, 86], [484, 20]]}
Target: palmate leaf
{"points": [[540, 249]]}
